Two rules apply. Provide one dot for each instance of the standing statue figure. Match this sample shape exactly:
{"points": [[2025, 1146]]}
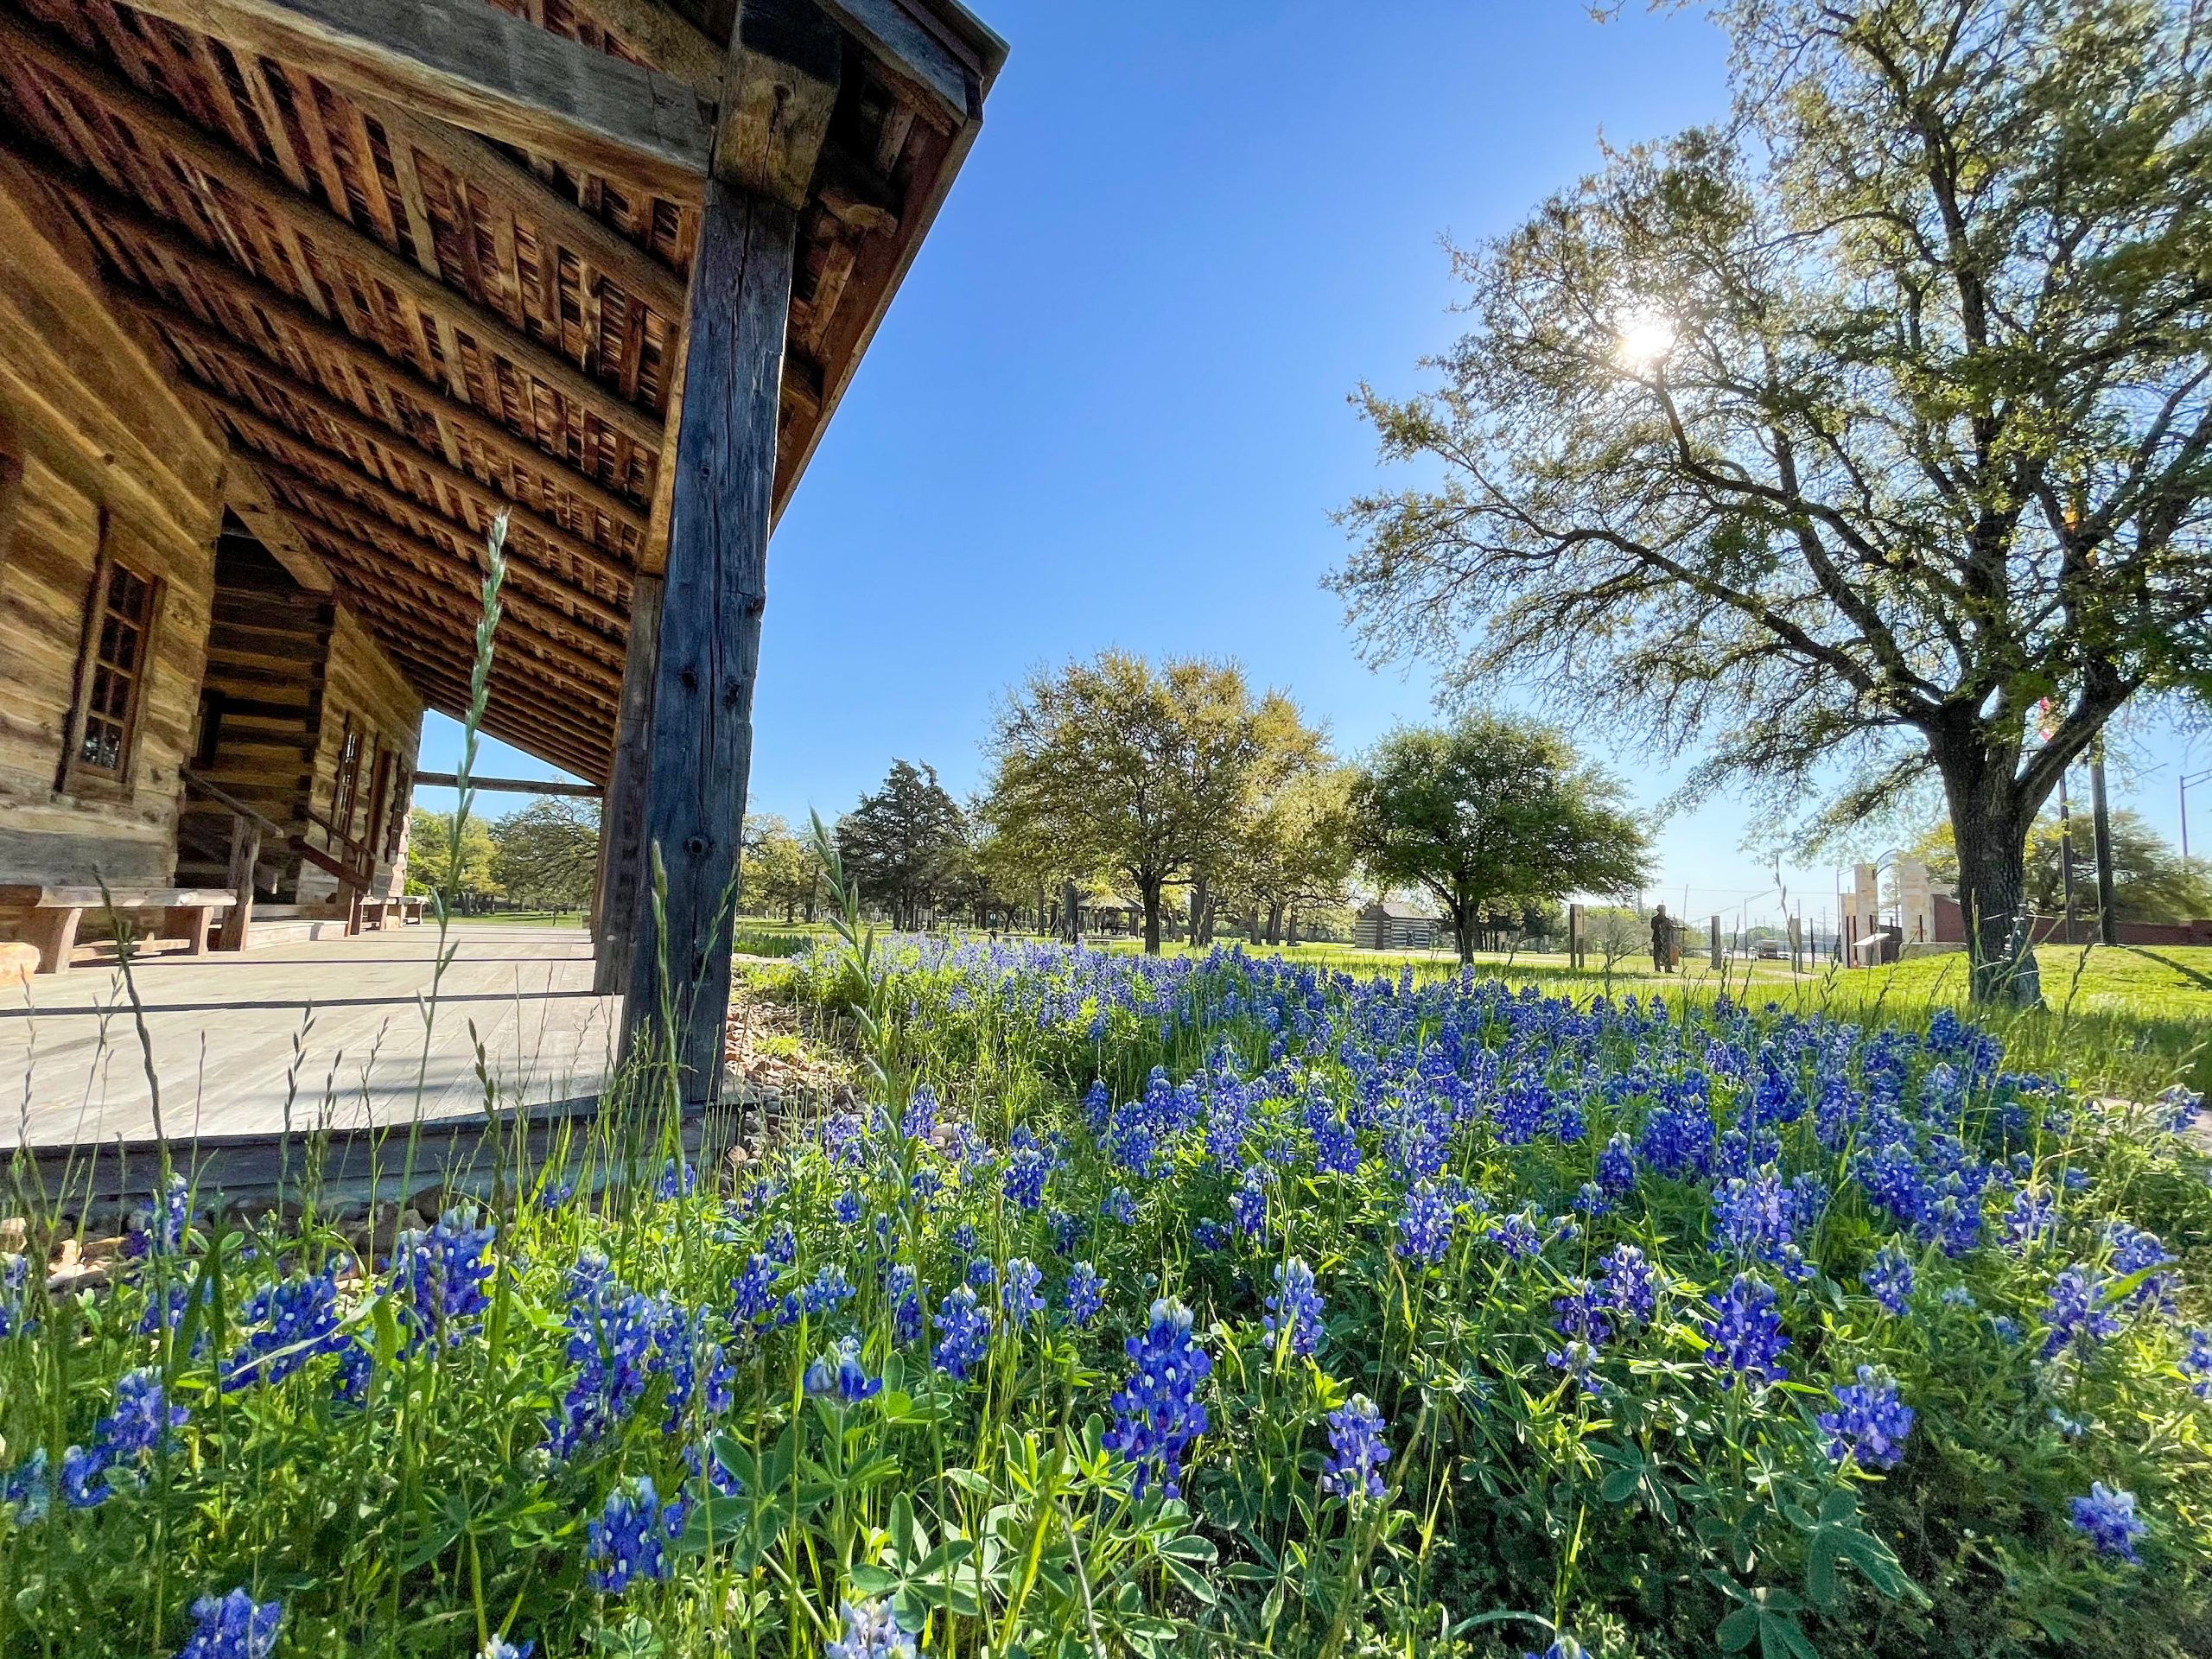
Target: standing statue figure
{"points": [[1663, 941]]}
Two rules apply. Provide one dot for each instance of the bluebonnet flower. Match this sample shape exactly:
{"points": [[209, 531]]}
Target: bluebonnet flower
{"points": [[2006, 1327], [1335, 1150], [2077, 1317], [611, 1330], [2196, 1361], [1677, 1138], [758, 1302], [1067, 1231], [1356, 1450], [1017, 1294], [783, 1244], [1209, 1236], [160, 1231], [844, 1138], [235, 1626], [499, 1647], [1743, 1337], [918, 1122], [14, 1275], [2032, 1216], [1026, 1172], [1294, 1309], [1870, 1423], [838, 1372], [1424, 1230], [964, 1333], [827, 1291], [2108, 1520], [871, 1632], [676, 1180], [349, 1384], [301, 1318], [1616, 1167], [438, 1277], [1632, 1289], [848, 1207], [901, 1287], [629, 1539], [126, 1440], [2133, 1251], [1889, 1278], [1118, 1206], [26, 1490], [1086, 1294], [1516, 1236], [983, 1273], [1956, 1296], [1591, 1200], [1248, 1204], [1157, 1412]]}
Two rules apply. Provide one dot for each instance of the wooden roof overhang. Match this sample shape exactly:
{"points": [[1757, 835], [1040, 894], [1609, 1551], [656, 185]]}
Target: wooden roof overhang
{"points": [[423, 261]]}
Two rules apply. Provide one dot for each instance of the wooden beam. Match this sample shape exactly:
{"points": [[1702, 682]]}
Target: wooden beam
{"points": [[247, 495], [667, 39], [531, 614], [244, 289], [551, 538], [306, 217], [486, 70], [523, 195], [702, 723], [779, 93], [394, 509], [622, 822], [910, 55], [506, 786]]}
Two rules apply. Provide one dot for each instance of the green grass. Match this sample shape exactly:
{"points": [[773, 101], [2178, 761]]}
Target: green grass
{"points": [[2120, 1018]]}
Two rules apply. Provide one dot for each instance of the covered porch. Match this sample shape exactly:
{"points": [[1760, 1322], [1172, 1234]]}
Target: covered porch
{"points": [[328, 1035]]}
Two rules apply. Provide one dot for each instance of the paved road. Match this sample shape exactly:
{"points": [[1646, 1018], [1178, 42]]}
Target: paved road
{"points": [[222, 1029]]}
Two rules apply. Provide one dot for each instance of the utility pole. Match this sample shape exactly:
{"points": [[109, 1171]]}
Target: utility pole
{"points": [[2107, 922], [2187, 778], [2066, 858]]}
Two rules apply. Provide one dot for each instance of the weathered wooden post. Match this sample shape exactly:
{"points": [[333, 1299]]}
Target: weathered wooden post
{"points": [[779, 86], [246, 853], [622, 811], [1714, 940], [1574, 936]]}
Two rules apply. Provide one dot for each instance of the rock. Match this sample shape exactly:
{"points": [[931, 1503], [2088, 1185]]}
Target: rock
{"points": [[14, 1232], [100, 1251], [68, 1282], [18, 962]]}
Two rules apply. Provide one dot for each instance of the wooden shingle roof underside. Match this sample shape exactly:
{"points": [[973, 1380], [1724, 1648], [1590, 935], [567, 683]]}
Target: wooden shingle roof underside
{"points": [[403, 327]]}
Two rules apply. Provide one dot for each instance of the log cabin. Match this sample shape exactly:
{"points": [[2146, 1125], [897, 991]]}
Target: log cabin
{"points": [[296, 296]]}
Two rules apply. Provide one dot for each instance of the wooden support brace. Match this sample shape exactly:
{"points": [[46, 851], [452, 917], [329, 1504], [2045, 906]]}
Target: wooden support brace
{"points": [[622, 818], [245, 856]]}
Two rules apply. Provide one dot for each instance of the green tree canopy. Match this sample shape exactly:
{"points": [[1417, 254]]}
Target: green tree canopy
{"points": [[2150, 881], [1852, 432], [430, 866], [776, 870], [546, 856], [1488, 815], [1146, 772], [904, 845]]}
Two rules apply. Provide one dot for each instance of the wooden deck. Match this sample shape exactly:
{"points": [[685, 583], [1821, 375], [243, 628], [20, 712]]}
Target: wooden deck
{"points": [[222, 1030]]}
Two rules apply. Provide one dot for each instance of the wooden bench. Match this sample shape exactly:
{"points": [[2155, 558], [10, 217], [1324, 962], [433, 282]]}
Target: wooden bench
{"points": [[411, 907], [52, 914]]}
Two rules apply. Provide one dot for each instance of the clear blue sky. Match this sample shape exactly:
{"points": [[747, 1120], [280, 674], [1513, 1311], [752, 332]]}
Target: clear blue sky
{"points": [[1109, 406]]}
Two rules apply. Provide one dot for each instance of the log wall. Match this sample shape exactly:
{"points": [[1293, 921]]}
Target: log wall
{"points": [[362, 688], [96, 448]]}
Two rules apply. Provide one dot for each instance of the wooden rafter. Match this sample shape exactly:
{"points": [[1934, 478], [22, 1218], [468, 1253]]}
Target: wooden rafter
{"points": [[327, 234], [282, 332]]}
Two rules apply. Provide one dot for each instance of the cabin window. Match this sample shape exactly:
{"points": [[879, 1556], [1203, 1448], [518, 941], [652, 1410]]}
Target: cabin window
{"points": [[111, 674], [348, 781]]}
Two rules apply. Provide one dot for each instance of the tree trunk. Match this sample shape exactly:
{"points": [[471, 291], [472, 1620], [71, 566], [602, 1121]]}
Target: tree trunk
{"points": [[1149, 891], [1991, 829], [1195, 932], [1274, 922]]}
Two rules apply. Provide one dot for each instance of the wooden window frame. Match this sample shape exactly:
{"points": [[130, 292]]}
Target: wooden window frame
{"points": [[379, 795], [78, 776], [396, 811], [345, 780]]}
